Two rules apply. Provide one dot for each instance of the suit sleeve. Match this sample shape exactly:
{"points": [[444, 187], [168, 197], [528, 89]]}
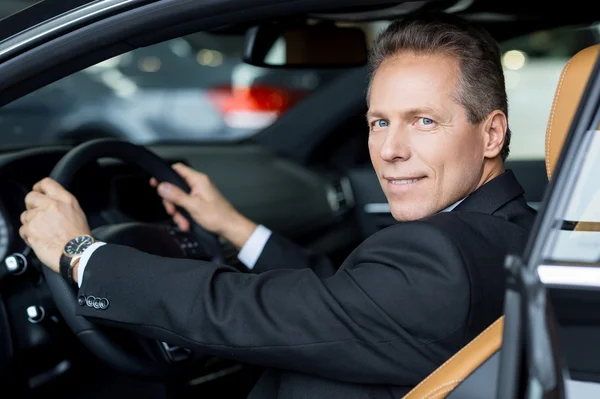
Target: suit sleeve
{"points": [[281, 253], [378, 320]]}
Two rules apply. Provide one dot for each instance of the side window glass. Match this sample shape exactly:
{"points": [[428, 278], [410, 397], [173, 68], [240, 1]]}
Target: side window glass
{"points": [[577, 232]]}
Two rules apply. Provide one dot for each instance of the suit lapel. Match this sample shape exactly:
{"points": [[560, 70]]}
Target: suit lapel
{"points": [[492, 195]]}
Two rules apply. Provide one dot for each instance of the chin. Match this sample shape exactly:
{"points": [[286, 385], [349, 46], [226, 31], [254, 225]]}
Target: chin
{"points": [[409, 212]]}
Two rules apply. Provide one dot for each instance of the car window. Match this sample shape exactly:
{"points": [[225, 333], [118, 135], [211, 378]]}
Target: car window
{"points": [[571, 251], [532, 67], [577, 230], [194, 88]]}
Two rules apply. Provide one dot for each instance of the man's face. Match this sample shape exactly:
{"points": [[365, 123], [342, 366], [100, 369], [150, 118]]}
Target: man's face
{"points": [[426, 153]]}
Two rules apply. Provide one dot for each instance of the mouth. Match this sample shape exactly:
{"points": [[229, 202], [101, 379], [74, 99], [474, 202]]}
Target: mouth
{"points": [[402, 180], [399, 182], [402, 183]]}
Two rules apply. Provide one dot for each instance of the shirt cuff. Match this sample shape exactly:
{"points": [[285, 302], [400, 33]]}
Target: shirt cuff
{"points": [[85, 257], [253, 248]]}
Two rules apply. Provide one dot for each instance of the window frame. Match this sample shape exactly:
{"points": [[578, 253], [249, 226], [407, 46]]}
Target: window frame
{"points": [[531, 360]]}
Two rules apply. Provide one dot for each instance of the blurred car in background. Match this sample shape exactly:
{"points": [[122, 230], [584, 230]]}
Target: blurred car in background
{"points": [[192, 88]]}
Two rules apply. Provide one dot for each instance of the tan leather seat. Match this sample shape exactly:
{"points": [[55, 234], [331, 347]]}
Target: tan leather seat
{"points": [[571, 85], [569, 90]]}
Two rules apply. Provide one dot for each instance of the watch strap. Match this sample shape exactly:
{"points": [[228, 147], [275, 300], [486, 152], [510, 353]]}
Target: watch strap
{"points": [[65, 268]]}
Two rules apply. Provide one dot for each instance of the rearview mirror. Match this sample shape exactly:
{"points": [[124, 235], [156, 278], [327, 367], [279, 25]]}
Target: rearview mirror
{"points": [[305, 46]]}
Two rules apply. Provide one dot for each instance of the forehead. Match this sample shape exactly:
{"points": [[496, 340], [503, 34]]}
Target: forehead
{"points": [[410, 80]]}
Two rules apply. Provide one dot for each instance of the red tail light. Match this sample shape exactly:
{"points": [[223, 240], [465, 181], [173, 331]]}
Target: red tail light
{"points": [[253, 107]]}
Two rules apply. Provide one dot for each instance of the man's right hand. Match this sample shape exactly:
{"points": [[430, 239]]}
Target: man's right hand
{"points": [[206, 205]]}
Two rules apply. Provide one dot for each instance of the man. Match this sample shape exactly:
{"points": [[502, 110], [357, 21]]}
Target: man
{"points": [[403, 302]]}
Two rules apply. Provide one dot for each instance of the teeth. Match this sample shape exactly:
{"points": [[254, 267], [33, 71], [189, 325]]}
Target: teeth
{"points": [[404, 181]]}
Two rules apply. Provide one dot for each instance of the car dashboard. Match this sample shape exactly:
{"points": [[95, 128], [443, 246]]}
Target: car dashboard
{"points": [[310, 207]]}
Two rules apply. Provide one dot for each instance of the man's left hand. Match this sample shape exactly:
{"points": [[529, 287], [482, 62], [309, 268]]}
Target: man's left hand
{"points": [[53, 217]]}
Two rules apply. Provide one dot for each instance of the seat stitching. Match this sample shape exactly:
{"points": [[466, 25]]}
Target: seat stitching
{"points": [[453, 382], [441, 393], [457, 353], [554, 103]]}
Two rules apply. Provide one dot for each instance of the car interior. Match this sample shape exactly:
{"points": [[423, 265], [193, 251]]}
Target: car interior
{"points": [[305, 174]]}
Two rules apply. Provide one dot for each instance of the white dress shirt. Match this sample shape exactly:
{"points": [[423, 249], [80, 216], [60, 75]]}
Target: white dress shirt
{"points": [[252, 248], [248, 254]]}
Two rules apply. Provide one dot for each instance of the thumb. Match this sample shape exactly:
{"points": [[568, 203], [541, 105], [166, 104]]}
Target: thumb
{"points": [[173, 194]]}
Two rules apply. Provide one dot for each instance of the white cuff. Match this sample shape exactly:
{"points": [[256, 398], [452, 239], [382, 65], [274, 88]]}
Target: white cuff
{"points": [[252, 249], [85, 257]]}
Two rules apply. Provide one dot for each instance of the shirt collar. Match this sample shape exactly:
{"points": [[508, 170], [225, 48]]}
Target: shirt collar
{"points": [[451, 207]]}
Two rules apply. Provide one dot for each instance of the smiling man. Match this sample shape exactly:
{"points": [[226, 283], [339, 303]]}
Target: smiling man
{"points": [[401, 304]]}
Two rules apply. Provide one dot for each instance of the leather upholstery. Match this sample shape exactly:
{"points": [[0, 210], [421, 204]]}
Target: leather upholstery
{"points": [[569, 90], [461, 365], [571, 85]]}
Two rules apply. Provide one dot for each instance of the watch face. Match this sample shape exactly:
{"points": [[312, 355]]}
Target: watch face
{"points": [[77, 245]]}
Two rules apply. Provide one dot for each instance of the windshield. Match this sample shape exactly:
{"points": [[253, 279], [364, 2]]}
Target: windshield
{"points": [[194, 88], [197, 89]]}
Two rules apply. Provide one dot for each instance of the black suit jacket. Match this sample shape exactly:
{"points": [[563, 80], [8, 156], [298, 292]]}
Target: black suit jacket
{"points": [[401, 304]]}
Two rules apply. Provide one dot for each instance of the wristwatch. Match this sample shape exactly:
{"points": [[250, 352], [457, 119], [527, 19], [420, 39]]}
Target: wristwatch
{"points": [[72, 252]]}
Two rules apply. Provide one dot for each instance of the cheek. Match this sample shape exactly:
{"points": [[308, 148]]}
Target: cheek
{"points": [[452, 158], [374, 149], [470, 151], [463, 161], [433, 151]]}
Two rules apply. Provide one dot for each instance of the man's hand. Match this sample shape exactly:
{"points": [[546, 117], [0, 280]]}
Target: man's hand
{"points": [[53, 217], [206, 205]]}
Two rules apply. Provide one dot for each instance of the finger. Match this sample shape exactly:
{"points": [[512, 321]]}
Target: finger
{"points": [[53, 189], [191, 176], [27, 216], [35, 199], [23, 234], [169, 207], [182, 222], [173, 194], [153, 182]]}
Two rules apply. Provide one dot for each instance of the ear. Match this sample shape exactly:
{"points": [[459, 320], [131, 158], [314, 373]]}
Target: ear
{"points": [[494, 133]]}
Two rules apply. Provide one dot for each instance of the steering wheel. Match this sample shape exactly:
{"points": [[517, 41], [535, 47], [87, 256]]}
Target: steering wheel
{"points": [[158, 359]]}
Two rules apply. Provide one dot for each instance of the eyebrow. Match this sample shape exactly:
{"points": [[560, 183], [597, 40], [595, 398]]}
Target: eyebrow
{"points": [[374, 114], [408, 112]]}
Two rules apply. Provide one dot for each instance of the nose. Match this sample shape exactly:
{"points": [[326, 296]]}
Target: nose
{"points": [[394, 146]]}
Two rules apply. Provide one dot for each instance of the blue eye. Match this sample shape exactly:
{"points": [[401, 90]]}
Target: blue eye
{"points": [[381, 123], [424, 122]]}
